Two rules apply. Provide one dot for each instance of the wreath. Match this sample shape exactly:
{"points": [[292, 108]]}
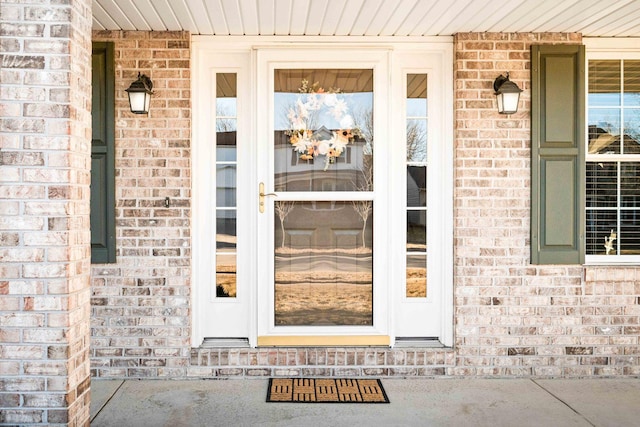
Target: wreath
{"points": [[309, 143]]}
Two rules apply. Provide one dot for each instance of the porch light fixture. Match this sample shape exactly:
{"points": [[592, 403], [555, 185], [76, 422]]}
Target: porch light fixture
{"points": [[507, 94], [140, 93]]}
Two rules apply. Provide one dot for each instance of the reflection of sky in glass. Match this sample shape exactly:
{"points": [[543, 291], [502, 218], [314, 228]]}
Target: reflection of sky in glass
{"points": [[632, 99], [604, 99], [226, 107], [358, 104], [416, 107]]}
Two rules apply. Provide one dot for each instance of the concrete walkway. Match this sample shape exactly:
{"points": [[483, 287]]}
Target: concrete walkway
{"points": [[414, 402]]}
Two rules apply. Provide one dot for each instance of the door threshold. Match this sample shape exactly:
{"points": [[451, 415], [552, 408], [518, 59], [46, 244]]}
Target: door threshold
{"points": [[225, 343], [418, 342], [323, 341]]}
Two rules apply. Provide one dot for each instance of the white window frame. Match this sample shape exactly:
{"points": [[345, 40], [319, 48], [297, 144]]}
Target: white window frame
{"points": [[608, 49]]}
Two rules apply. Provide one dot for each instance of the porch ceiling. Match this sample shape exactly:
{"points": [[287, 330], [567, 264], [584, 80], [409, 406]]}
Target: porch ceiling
{"points": [[592, 18]]}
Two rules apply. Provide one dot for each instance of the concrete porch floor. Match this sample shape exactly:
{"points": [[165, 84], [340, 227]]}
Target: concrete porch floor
{"points": [[423, 402]]}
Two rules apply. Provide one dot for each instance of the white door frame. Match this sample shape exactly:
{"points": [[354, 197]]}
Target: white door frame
{"points": [[203, 49]]}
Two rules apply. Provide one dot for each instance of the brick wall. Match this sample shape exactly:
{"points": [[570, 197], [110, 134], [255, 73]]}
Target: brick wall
{"points": [[140, 305], [512, 318], [44, 212]]}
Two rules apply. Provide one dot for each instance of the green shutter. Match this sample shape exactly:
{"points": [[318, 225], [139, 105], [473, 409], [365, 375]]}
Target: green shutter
{"points": [[103, 222], [557, 154]]}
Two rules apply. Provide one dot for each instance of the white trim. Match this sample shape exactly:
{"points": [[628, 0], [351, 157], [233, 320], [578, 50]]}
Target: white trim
{"points": [[611, 45], [251, 42]]}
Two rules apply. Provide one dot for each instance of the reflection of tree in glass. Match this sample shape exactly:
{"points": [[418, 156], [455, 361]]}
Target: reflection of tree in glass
{"points": [[283, 208], [222, 124], [632, 125], [363, 120], [364, 180], [363, 209], [416, 136]]}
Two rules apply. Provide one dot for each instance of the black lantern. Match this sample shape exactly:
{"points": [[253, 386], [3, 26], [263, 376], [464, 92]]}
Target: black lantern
{"points": [[507, 94], [140, 93]]}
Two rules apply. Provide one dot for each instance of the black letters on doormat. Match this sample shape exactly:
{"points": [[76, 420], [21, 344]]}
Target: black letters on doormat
{"points": [[326, 390]]}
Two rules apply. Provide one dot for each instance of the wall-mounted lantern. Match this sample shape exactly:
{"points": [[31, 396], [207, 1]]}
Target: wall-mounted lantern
{"points": [[140, 93], [507, 94]]}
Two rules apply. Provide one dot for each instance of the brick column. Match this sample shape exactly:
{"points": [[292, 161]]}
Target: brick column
{"points": [[45, 141]]}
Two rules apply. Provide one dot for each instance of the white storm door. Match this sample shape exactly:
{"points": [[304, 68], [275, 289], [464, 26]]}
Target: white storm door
{"points": [[222, 165], [322, 125]]}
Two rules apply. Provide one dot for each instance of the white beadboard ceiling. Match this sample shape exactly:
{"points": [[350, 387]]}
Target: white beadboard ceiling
{"points": [[592, 18]]}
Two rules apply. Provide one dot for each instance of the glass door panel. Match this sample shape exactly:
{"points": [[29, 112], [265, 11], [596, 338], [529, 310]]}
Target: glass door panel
{"points": [[323, 233], [323, 266]]}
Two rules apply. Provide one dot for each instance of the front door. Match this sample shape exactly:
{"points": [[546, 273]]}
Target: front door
{"points": [[322, 194], [321, 185]]}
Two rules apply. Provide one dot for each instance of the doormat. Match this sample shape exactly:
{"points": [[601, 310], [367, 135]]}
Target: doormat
{"points": [[326, 390]]}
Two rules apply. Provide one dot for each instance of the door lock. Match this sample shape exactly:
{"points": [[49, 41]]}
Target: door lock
{"points": [[262, 195]]}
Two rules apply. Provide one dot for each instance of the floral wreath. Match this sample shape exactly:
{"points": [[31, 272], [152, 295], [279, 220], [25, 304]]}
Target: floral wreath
{"points": [[308, 142]]}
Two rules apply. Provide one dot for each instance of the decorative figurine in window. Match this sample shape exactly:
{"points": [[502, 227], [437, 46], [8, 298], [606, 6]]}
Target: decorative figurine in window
{"points": [[608, 241]]}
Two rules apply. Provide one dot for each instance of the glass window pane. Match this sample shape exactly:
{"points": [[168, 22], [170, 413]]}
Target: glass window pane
{"points": [[226, 94], [632, 83], [226, 136], [604, 131], [632, 130], [416, 186], [416, 140], [226, 276], [226, 125], [324, 115], [604, 83], [601, 228], [630, 232], [226, 186], [602, 178], [416, 276], [226, 153], [416, 95], [226, 230], [630, 184], [323, 263], [226, 107], [417, 231]]}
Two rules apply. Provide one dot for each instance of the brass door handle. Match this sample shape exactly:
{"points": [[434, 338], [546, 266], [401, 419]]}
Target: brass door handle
{"points": [[262, 195]]}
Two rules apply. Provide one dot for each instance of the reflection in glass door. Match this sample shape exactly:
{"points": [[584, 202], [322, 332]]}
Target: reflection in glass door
{"points": [[323, 214]]}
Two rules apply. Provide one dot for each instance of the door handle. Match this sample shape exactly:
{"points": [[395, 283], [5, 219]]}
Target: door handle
{"points": [[262, 195]]}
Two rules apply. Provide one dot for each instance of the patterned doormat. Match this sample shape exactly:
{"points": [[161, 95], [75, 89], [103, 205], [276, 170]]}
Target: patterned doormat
{"points": [[326, 390]]}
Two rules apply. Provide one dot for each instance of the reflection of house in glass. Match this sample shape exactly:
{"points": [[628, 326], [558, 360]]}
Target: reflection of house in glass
{"points": [[416, 198], [226, 210], [613, 194], [603, 142], [323, 248]]}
